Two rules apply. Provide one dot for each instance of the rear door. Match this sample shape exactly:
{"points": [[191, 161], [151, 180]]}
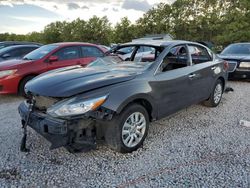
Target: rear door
{"points": [[89, 54], [172, 87], [201, 78], [67, 56]]}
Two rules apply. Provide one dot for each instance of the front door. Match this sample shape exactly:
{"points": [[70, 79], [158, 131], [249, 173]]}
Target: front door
{"points": [[67, 56], [172, 89]]}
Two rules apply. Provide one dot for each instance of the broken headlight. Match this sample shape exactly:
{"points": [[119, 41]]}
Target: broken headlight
{"points": [[75, 106]]}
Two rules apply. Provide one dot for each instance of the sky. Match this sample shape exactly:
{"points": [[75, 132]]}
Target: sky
{"points": [[24, 16]]}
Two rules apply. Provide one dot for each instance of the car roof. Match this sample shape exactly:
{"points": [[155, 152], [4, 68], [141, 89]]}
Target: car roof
{"points": [[19, 42], [73, 43], [238, 43], [13, 47], [160, 42], [22, 46]]}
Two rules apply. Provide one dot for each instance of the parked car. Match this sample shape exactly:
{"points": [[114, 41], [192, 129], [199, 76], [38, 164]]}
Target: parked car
{"points": [[142, 51], [75, 107], [14, 74], [14, 43], [238, 57], [105, 47], [16, 52]]}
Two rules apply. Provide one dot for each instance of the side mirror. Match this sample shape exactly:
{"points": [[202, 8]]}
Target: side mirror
{"points": [[5, 55], [53, 59]]}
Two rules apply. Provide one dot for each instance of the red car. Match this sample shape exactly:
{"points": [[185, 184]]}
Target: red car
{"points": [[14, 74]]}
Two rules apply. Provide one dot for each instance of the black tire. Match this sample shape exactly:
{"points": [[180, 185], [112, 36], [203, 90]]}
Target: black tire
{"points": [[212, 102], [113, 133], [21, 90]]}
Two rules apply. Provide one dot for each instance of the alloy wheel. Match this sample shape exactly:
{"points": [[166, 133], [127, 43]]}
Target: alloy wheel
{"points": [[133, 129]]}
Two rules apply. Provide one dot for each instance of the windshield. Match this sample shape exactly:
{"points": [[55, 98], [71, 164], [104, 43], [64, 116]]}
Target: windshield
{"points": [[6, 49], [40, 52], [105, 61], [117, 62], [237, 49], [1, 46]]}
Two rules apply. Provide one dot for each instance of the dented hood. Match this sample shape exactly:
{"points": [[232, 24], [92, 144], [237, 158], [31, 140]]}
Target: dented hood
{"points": [[66, 82], [235, 57]]}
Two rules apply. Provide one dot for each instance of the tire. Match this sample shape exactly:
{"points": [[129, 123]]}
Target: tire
{"points": [[121, 128], [21, 90], [216, 95]]}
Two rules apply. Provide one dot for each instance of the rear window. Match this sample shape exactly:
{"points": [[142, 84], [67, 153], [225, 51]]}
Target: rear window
{"points": [[91, 51], [199, 54]]}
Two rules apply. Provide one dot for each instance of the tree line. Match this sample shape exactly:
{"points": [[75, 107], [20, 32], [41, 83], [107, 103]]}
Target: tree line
{"points": [[219, 21]]}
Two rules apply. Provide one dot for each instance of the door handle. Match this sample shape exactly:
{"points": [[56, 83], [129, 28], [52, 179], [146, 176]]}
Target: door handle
{"points": [[192, 75]]}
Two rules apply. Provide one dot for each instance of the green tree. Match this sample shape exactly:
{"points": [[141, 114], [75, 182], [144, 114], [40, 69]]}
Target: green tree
{"points": [[52, 33], [124, 31], [98, 30], [156, 21]]}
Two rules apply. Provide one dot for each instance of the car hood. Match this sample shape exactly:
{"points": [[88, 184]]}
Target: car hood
{"points": [[235, 57], [9, 64], [66, 82]]}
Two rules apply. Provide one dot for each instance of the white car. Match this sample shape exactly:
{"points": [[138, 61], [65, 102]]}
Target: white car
{"points": [[143, 50]]}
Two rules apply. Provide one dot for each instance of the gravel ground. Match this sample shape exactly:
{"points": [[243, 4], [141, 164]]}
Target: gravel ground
{"points": [[196, 147]]}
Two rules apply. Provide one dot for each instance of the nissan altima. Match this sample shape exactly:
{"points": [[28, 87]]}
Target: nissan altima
{"points": [[75, 107]]}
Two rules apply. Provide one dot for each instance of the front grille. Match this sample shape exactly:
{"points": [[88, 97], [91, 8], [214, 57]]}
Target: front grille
{"points": [[43, 103], [232, 66]]}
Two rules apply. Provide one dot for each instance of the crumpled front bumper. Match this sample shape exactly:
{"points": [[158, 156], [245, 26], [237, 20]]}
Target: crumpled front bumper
{"points": [[54, 130], [57, 131]]}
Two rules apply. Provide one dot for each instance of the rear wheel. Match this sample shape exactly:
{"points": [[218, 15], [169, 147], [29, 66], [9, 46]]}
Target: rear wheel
{"points": [[216, 95], [127, 131], [21, 90]]}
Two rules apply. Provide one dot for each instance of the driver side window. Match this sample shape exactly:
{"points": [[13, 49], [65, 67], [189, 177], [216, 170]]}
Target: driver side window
{"points": [[175, 59]]}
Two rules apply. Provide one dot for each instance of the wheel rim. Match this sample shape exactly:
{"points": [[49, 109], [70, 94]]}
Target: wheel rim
{"points": [[217, 93], [133, 129]]}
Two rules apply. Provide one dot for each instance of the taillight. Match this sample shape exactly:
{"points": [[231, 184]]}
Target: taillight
{"points": [[225, 65]]}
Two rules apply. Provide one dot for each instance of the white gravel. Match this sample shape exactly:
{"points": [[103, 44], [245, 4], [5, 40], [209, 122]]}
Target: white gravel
{"points": [[196, 147]]}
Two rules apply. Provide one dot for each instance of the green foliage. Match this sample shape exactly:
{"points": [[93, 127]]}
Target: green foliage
{"points": [[124, 31], [219, 21]]}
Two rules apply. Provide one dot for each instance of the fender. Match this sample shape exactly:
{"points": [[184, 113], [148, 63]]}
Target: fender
{"points": [[140, 97], [123, 94]]}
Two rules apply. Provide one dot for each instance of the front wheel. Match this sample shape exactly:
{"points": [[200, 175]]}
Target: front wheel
{"points": [[21, 90], [216, 95], [127, 131]]}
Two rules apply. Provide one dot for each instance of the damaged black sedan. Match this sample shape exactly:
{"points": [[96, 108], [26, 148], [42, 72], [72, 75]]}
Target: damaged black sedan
{"points": [[115, 100]]}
